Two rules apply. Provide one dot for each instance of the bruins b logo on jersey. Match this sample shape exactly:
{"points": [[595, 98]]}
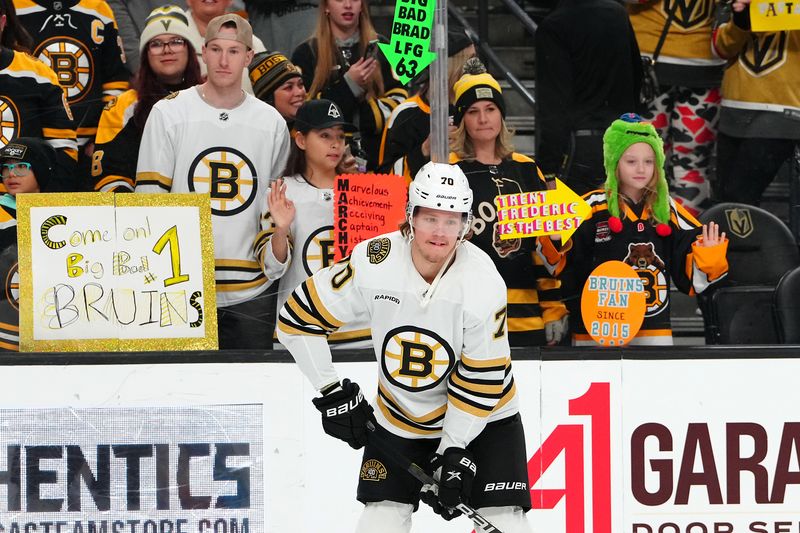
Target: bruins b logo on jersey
{"points": [[72, 62], [228, 176], [689, 13], [650, 267], [378, 250], [416, 359], [9, 120], [318, 250], [764, 53]]}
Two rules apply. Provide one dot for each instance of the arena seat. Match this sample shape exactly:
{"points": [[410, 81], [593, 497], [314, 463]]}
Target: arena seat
{"points": [[761, 249], [787, 307]]}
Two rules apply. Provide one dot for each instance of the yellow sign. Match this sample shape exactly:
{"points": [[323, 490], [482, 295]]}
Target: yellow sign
{"points": [[533, 214], [613, 303], [124, 272], [774, 16]]}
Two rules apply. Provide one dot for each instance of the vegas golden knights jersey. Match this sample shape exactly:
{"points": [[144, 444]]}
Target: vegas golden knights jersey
{"points": [[657, 260], [311, 247], [765, 71], [32, 104], [78, 39], [687, 53], [444, 369], [189, 146]]}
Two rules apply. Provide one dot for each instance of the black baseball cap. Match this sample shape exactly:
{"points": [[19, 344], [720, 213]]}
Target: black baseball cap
{"points": [[37, 152], [320, 114]]}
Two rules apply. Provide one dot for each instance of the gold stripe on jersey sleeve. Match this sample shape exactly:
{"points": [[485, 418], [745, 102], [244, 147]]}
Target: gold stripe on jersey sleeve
{"points": [[468, 408], [86, 132], [376, 114], [395, 421], [468, 386], [317, 305], [58, 133], [231, 285], [237, 264], [523, 296], [350, 336], [484, 363], [507, 397], [8, 346], [153, 178], [544, 284], [9, 327], [124, 183], [302, 314], [116, 85], [290, 330], [421, 419]]}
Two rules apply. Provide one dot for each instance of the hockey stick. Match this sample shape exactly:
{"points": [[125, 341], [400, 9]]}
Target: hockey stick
{"points": [[481, 524]]}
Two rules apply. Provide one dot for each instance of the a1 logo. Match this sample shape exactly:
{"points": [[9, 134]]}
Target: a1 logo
{"points": [[568, 438]]}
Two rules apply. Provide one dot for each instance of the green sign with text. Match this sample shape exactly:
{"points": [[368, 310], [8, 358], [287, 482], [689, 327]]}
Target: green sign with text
{"points": [[409, 50]]}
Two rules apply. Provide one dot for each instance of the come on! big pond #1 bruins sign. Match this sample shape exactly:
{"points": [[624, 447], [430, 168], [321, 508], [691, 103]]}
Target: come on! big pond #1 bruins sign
{"points": [[105, 272]]}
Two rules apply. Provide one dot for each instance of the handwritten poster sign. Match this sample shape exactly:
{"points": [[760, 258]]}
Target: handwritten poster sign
{"points": [[366, 205], [774, 16], [613, 303], [533, 214], [106, 272]]}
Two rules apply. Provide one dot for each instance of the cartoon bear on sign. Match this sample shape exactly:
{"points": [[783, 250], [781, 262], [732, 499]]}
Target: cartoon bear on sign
{"points": [[642, 254]]}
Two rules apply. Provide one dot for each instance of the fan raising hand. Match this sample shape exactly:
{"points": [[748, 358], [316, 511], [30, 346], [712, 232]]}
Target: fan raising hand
{"points": [[711, 235]]}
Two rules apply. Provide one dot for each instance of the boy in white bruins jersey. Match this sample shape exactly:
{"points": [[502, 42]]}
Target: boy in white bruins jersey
{"points": [[214, 138], [446, 393]]}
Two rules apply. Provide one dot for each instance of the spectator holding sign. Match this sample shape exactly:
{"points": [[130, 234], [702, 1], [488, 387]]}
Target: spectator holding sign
{"points": [[406, 145], [482, 148], [215, 138], [26, 165], [168, 64], [759, 125], [299, 240], [339, 64], [634, 220]]}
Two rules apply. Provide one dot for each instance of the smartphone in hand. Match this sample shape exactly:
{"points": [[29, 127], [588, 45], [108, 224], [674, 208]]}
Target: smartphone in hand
{"points": [[371, 51]]}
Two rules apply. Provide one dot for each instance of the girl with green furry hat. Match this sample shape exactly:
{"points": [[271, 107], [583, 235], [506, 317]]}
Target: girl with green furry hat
{"points": [[634, 220]]}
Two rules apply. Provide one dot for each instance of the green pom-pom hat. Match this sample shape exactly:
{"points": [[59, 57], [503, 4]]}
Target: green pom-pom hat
{"points": [[627, 130]]}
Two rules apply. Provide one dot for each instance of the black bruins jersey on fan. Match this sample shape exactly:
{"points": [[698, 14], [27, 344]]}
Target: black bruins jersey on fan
{"points": [[32, 104], [9, 273], [116, 147], [655, 259], [78, 39], [534, 296]]}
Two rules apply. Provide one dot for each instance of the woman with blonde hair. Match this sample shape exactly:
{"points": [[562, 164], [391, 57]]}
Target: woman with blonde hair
{"points": [[481, 146], [405, 146], [340, 63]]}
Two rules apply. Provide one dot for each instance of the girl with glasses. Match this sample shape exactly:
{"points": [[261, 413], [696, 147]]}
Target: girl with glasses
{"points": [[168, 63]]}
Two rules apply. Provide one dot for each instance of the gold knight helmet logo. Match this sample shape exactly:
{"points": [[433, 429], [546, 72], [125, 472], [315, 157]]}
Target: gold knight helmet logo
{"points": [[740, 222]]}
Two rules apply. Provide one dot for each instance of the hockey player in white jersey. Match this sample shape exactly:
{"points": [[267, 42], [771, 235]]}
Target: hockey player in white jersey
{"points": [[446, 395]]}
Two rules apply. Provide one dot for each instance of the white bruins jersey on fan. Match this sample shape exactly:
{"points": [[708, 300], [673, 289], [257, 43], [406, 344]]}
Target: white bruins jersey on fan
{"points": [[311, 248], [444, 369], [231, 154]]}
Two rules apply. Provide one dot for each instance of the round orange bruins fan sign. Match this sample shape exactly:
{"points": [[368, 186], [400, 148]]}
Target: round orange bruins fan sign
{"points": [[613, 303]]}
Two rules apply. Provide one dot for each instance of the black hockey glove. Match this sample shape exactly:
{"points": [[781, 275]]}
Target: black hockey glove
{"points": [[455, 471], [345, 414]]}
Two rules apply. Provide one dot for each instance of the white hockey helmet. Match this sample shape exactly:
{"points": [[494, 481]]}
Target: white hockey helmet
{"points": [[440, 186]]}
